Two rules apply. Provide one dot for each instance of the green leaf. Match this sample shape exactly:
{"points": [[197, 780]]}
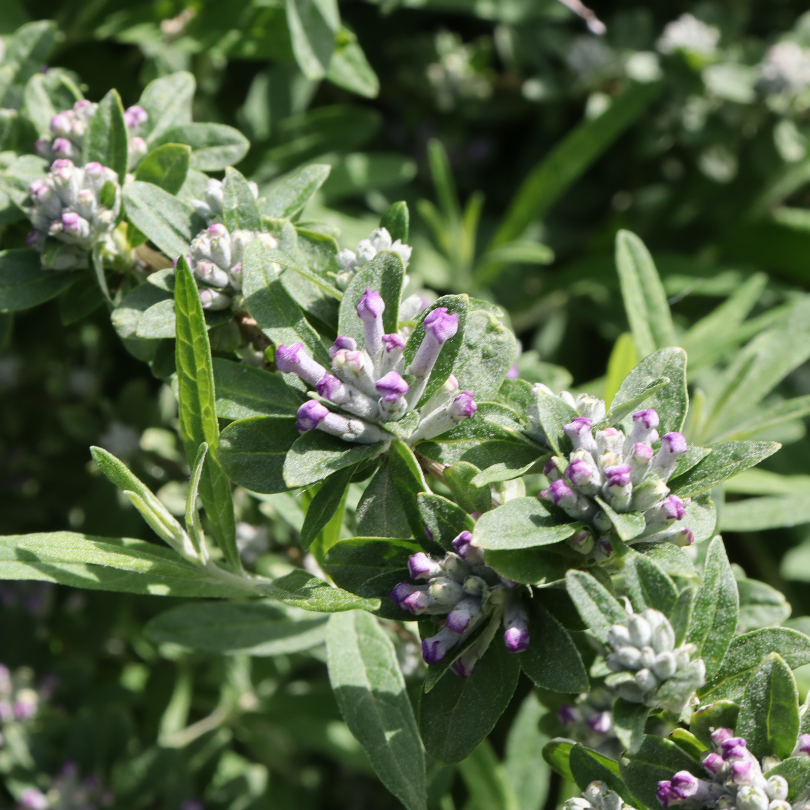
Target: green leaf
{"points": [[410, 484], [623, 359], [797, 772], [349, 67], [658, 381], [325, 505], [166, 167], [28, 50], [469, 497], [627, 525], [238, 205], [197, 409], [107, 564], [554, 415], [214, 147], [371, 693], [758, 514], [443, 520], [689, 743], [523, 763], [372, 567], [289, 197], [252, 451], [714, 616], [277, 314], [769, 710], [656, 760], [82, 298], [458, 713], [648, 586], [486, 354], [588, 766], [532, 566], [380, 511], [243, 391], [396, 220], [745, 654], [313, 25], [726, 460], [169, 222], [721, 713], [552, 660], [598, 608], [557, 753], [167, 101], [629, 720], [557, 171], [485, 781], [316, 455], [23, 282], [228, 628], [796, 408], [522, 523], [644, 298], [383, 273], [106, 137]]}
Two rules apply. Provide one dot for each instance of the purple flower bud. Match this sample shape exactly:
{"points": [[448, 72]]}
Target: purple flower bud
{"points": [[618, 476], [393, 342], [579, 473], [673, 446], [601, 723], [71, 222], [802, 746], [439, 328], [60, 123], [516, 627], [721, 734], [741, 771], [81, 104], [551, 471], [642, 453], [310, 415], [516, 639], [62, 147], [666, 795], [42, 146], [293, 359], [436, 647], [684, 537], [33, 799], [94, 168], [567, 714], [684, 784], [391, 387], [713, 763], [733, 747], [462, 543], [217, 230], [411, 598], [32, 239], [673, 508], [463, 406], [370, 309], [513, 373], [341, 342], [557, 492], [579, 430], [329, 387], [459, 618], [463, 666], [421, 566], [647, 419], [63, 163], [135, 116]]}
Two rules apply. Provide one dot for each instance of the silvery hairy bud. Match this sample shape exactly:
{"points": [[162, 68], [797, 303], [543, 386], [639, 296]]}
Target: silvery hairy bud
{"points": [[597, 796], [210, 206], [351, 260]]}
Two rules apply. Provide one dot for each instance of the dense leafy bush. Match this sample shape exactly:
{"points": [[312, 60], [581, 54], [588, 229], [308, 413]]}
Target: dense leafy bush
{"points": [[423, 351]]}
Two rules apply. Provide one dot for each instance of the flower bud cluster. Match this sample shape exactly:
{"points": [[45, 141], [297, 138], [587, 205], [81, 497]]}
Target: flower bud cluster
{"points": [[19, 698], [69, 127], [736, 780], [590, 720], [647, 667], [210, 206], [463, 593], [373, 386], [597, 796], [215, 258], [625, 472], [67, 792], [351, 261], [78, 206]]}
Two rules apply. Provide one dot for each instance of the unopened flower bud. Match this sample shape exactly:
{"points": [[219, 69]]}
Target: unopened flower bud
{"points": [[644, 427], [665, 666], [440, 326], [423, 567], [580, 431], [646, 680], [752, 798], [435, 648], [295, 360], [673, 446], [370, 310], [516, 628], [459, 618], [639, 629]]}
